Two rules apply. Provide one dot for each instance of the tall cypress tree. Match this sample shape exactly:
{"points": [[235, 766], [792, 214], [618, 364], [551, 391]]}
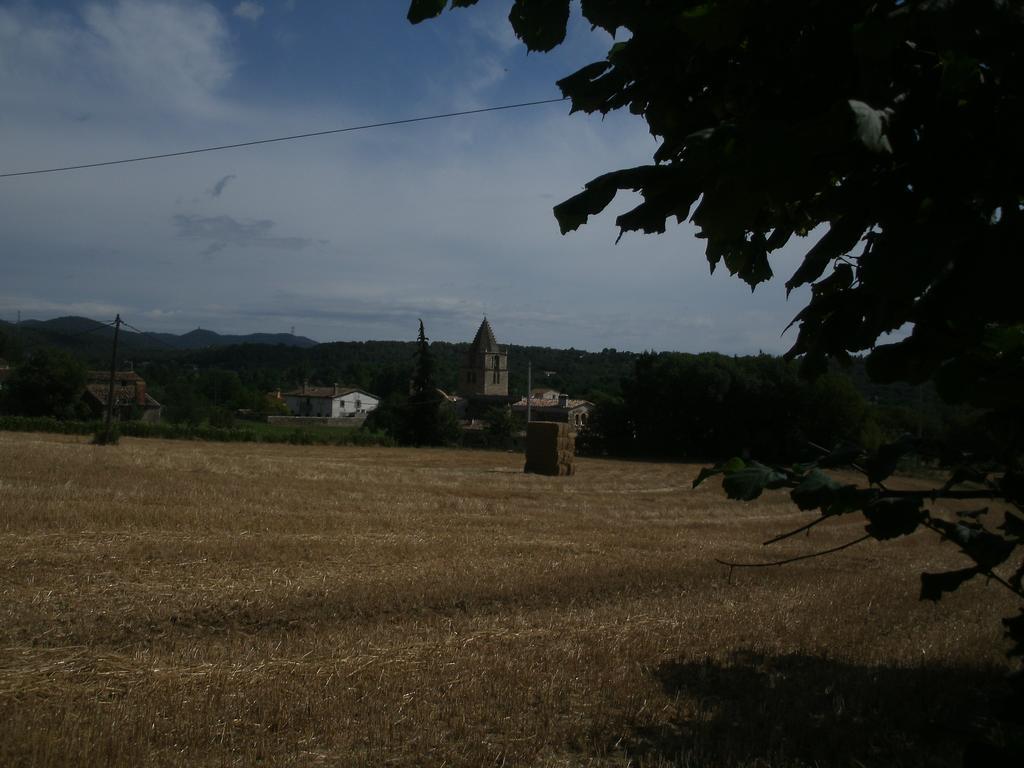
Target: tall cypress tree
{"points": [[424, 400]]}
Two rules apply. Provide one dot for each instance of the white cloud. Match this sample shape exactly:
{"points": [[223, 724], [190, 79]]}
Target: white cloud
{"points": [[248, 10], [349, 236], [178, 53], [220, 232], [169, 56]]}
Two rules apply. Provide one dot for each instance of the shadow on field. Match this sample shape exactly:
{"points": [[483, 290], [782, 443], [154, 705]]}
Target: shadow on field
{"points": [[804, 710], [366, 601]]}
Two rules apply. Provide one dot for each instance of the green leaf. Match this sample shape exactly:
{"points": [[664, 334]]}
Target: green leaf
{"points": [[963, 475], [748, 483], [985, 548], [871, 125], [607, 14], [840, 280], [912, 360], [1005, 340], [540, 23], [735, 464], [850, 498], [580, 86], [574, 212], [935, 585], [884, 462], [749, 263], [595, 197], [891, 518], [840, 456], [843, 235], [705, 473], [815, 491], [421, 10]]}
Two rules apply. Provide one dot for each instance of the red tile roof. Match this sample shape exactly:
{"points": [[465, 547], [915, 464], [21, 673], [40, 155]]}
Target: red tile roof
{"points": [[122, 395], [97, 376], [325, 392], [550, 403]]}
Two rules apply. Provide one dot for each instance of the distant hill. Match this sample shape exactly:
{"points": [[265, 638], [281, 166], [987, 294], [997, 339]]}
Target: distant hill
{"points": [[203, 339], [91, 339], [266, 362]]}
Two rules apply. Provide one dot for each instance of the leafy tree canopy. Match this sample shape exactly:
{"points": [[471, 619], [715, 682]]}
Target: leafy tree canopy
{"points": [[49, 383], [886, 129]]}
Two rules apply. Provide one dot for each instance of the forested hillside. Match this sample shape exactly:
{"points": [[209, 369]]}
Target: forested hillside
{"points": [[652, 404], [91, 339]]}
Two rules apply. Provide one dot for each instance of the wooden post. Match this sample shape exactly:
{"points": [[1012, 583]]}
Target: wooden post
{"points": [[529, 389], [113, 371]]}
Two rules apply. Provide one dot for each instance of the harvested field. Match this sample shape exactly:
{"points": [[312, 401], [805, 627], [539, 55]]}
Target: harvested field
{"points": [[167, 603]]}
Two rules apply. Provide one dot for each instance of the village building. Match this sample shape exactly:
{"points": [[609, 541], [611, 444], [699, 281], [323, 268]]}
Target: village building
{"points": [[483, 377], [5, 372], [456, 402], [131, 400], [484, 371], [544, 393], [332, 402], [483, 386], [559, 407]]}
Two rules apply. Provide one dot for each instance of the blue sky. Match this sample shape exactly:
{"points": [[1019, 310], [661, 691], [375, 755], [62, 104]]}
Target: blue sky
{"points": [[344, 237]]}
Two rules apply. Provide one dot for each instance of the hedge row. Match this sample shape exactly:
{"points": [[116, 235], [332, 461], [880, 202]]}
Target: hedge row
{"points": [[188, 432]]}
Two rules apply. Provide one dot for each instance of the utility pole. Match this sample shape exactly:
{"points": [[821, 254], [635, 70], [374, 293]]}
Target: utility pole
{"points": [[113, 372], [529, 389]]}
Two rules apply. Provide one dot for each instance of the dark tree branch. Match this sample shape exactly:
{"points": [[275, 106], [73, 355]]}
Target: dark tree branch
{"points": [[856, 466], [788, 560], [938, 493], [984, 572], [795, 531]]}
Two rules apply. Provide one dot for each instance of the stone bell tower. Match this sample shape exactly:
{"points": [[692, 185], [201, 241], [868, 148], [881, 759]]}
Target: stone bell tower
{"points": [[485, 368]]}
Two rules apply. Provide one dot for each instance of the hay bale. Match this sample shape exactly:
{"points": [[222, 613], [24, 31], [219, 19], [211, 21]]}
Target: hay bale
{"points": [[550, 449]]}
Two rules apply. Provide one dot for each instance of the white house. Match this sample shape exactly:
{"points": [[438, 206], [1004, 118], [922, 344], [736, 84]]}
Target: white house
{"points": [[329, 402]]}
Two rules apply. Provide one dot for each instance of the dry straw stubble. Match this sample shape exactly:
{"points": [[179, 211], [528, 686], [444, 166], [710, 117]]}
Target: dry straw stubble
{"points": [[169, 603]]}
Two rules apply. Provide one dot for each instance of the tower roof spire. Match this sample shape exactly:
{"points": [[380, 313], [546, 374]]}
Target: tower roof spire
{"points": [[484, 341]]}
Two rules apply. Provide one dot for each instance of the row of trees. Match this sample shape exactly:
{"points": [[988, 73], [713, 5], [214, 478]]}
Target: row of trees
{"points": [[386, 367], [711, 406], [49, 382], [668, 405]]}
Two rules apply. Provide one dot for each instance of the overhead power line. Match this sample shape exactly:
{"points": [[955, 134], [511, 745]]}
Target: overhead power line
{"points": [[153, 336], [294, 137], [97, 327]]}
